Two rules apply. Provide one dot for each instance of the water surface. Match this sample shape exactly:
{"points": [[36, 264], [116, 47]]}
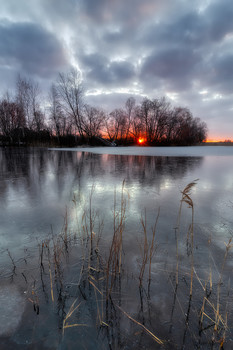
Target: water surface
{"points": [[39, 186]]}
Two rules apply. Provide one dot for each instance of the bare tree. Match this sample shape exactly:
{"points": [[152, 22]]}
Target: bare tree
{"points": [[154, 115], [55, 110], [93, 121], [70, 90], [137, 127], [129, 106], [160, 111], [12, 121], [116, 125], [183, 129], [171, 125], [27, 96], [38, 120], [145, 117]]}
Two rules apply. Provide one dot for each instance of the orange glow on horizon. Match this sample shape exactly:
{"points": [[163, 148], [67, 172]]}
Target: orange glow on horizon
{"points": [[217, 140]]}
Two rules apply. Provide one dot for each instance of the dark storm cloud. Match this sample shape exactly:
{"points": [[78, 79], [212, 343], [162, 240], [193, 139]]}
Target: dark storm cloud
{"points": [[99, 69], [31, 48], [219, 16], [95, 9], [193, 27], [219, 72], [185, 30], [114, 38], [61, 13], [174, 66], [188, 48], [129, 12]]}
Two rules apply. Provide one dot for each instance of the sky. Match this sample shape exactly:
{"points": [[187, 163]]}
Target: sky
{"points": [[179, 49]]}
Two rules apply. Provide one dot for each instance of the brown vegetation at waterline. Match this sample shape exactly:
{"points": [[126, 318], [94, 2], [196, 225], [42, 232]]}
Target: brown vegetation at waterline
{"points": [[68, 121], [120, 297]]}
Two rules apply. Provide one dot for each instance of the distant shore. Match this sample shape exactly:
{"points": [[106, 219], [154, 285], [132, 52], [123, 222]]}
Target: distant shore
{"points": [[219, 143]]}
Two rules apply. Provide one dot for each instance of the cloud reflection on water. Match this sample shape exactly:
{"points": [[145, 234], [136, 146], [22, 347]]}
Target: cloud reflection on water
{"points": [[36, 186]]}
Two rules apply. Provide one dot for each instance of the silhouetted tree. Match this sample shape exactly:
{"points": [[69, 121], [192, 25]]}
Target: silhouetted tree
{"points": [[116, 124], [56, 113], [70, 90], [137, 124], [129, 107], [93, 121], [12, 120], [27, 97]]}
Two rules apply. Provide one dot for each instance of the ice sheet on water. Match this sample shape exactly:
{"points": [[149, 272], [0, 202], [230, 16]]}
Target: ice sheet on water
{"points": [[191, 151], [11, 309]]}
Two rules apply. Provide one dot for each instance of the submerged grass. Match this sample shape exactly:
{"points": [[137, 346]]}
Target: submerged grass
{"points": [[85, 277]]}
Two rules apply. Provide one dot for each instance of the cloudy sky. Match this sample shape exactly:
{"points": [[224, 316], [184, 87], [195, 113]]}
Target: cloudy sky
{"points": [[180, 49]]}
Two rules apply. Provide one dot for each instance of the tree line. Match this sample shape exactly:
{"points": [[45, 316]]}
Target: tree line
{"points": [[65, 118]]}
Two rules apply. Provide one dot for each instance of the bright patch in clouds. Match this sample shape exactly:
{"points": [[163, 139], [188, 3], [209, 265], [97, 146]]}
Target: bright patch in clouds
{"points": [[172, 95]]}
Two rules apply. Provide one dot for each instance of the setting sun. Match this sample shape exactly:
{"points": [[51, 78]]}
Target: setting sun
{"points": [[141, 140]]}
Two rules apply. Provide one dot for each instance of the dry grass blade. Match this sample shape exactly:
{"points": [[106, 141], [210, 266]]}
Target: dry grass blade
{"points": [[69, 314], [51, 282], [71, 310], [145, 250], [218, 317], [75, 325], [159, 341], [95, 287]]}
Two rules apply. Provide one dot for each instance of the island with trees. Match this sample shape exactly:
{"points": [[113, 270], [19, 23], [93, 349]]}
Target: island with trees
{"points": [[66, 120]]}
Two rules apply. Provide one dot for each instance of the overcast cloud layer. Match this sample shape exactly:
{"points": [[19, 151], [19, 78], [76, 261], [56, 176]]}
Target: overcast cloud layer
{"points": [[175, 48]]}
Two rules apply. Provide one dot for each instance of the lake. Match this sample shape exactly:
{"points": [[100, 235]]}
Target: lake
{"points": [[45, 192]]}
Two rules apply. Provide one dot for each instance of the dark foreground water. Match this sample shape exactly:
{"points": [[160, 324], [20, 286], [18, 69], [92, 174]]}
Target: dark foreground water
{"points": [[81, 195]]}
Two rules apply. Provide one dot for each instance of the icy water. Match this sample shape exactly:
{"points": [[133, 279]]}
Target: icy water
{"points": [[40, 188]]}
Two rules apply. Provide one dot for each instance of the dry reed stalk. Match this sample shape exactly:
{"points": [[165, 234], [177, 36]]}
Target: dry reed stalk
{"points": [[58, 252], [186, 198], [64, 235], [152, 245], [201, 316], [192, 257], [89, 237], [114, 262], [121, 224], [217, 314], [159, 341], [177, 233], [91, 221], [210, 283], [223, 338], [226, 319], [99, 315], [147, 250], [51, 283], [216, 310], [50, 275], [205, 298], [144, 251]]}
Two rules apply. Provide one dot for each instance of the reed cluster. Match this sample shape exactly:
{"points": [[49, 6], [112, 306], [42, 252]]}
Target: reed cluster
{"points": [[80, 272]]}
